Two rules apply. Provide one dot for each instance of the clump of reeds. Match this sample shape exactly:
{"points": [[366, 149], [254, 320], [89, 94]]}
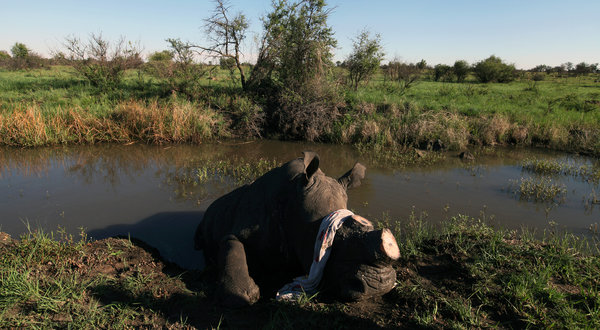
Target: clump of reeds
{"points": [[552, 167], [539, 190]]}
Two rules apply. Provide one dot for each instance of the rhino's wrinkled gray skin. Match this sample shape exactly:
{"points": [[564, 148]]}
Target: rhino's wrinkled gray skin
{"points": [[264, 234]]}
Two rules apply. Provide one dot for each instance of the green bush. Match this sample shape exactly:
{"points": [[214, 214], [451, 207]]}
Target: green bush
{"points": [[461, 70], [492, 69], [291, 74], [19, 50], [442, 72], [227, 63], [162, 56], [365, 58]]}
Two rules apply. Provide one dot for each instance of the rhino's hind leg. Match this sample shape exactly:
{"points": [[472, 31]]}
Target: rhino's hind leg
{"points": [[236, 287]]}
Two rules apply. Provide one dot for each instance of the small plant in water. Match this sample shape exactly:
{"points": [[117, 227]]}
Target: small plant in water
{"points": [[544, 166], [552, 167], [239, 171], [539, 190], [591, 200]]}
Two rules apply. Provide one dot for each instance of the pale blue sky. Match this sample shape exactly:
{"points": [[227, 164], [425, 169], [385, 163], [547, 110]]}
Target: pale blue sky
{"points": [[523, 32]]}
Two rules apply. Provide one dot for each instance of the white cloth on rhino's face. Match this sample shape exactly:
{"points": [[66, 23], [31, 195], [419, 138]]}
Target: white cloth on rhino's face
{"points": [[308, 284]]}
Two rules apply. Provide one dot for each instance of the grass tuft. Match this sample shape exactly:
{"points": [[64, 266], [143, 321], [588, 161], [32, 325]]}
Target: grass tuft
{"points": [[539, 190]]}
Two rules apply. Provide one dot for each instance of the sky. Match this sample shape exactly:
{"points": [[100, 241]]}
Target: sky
{"points": [[525, 32]]}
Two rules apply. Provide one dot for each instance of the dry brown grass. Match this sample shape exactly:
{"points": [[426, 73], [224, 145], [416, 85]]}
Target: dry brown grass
{"points": [[493, 129], [154, 122], [430, 126]]}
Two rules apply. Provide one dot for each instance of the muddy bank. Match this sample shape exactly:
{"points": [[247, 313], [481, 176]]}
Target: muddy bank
{"points": [[464, 275]]}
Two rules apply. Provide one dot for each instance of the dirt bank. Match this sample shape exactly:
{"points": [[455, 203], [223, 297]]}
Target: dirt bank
{"points": [[472, 277]]}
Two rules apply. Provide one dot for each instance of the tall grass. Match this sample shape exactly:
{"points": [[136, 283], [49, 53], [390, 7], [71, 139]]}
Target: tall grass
{"points": [[173, 121]]}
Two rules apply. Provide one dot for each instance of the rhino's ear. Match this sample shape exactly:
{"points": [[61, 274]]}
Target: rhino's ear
{"points": [[353, 177], [311, 163]]}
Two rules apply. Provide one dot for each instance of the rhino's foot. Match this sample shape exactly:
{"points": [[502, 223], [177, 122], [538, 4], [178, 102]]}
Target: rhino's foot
{"points": [[233, 294], [236, 287]]}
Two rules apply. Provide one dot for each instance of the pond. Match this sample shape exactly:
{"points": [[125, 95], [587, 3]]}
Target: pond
{"points": [[153, 192]]}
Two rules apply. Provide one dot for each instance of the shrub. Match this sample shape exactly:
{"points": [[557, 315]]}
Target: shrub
{"points": [[227, 63], [460, 70], [101, 62], [405, 74], [162, 56], [292, 68], [365, 58], [442, 72], [22, 58], [307, 113], [19, 50], [492, 69], [538, 76], [181, 72]]}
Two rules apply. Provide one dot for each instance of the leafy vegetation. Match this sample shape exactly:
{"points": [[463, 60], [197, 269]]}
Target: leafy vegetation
{"points": [[586, 172], [539, 190], [493, 69], [365, 58]]}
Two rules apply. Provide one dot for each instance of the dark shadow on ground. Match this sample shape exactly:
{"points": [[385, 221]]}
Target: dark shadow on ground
{"points": [[200, 311], [194, 306], [171, 233]]}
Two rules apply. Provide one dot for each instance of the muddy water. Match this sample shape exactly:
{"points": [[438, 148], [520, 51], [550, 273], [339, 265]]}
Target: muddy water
{"points": [[146, 191]]}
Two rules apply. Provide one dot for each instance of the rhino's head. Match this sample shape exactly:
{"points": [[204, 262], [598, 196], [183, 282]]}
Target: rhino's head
{"points": [[360, 263]]}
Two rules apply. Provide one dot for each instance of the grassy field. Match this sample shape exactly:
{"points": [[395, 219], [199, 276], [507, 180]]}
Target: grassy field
{"points": [[558, 113], [464, 274], [54, 106]]}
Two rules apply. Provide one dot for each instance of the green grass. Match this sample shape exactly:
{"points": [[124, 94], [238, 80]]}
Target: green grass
{"points": [[461, 274], [466, 274], [50, 282], [559, 113]]}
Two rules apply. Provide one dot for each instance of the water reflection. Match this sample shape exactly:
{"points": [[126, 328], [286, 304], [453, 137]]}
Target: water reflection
{"points": [[152, 192]]}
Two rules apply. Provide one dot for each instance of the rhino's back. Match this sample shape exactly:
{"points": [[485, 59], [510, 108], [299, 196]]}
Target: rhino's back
{"points": [[251, 213]]}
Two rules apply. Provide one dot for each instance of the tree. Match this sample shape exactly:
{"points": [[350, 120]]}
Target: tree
{"points": [[292, 68], [296, 45], [183, 74], [542, 68], [164, 55], [365, 58], [583, 68], [226, 33], [493, 69], [442, 72], [19, 51], [461, 70], [23, 58]]}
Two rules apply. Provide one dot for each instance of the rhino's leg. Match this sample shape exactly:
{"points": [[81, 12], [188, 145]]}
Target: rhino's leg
{"points": [[236, 287]]}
